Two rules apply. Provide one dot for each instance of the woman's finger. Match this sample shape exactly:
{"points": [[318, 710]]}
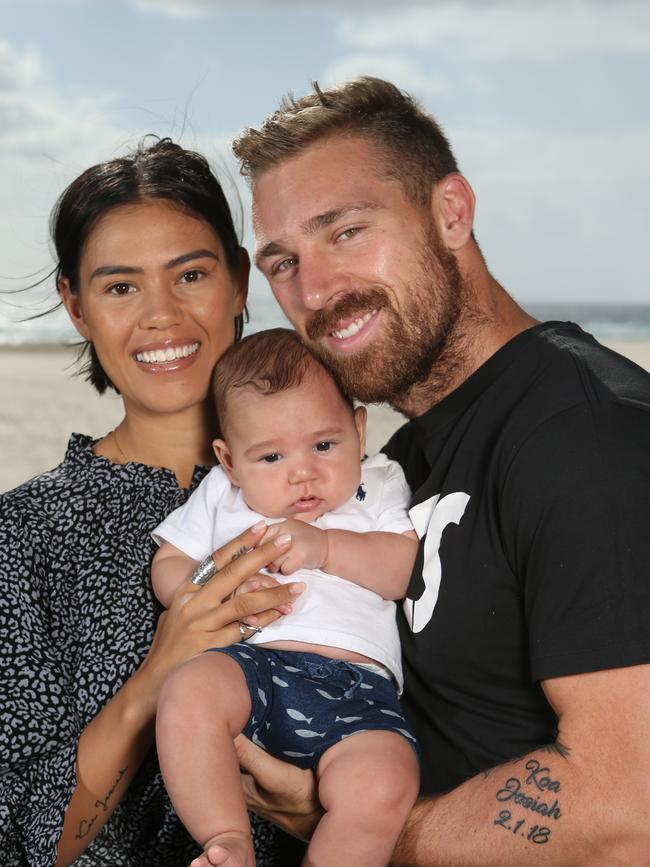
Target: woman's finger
{"points": [[235, 571], [250, 606], [239, 545]]}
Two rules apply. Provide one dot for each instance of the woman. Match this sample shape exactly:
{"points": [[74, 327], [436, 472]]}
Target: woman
{"points": [[152, 275]]}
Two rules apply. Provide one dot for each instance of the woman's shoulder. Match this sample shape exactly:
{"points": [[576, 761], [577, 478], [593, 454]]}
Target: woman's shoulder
{"points": [[60, 481]]}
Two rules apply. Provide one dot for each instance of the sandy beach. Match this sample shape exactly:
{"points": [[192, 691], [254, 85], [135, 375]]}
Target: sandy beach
{"points": [[42, 402]]}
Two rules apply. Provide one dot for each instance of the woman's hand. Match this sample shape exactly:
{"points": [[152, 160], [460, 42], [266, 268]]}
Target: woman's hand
{"points": [[280, 792], [201, 617]]}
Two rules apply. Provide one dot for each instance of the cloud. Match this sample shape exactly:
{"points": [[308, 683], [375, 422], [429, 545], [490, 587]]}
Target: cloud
{"points": [[188, 9], [547, 31], [404, 71], [556, 211]]}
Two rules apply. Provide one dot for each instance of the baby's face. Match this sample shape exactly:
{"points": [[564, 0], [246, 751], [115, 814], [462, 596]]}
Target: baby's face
{"points": [[295, 454]]}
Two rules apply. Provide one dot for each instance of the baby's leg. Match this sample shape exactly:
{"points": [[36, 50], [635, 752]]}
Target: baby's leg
{"points": [[203, 705], [367, 783]]}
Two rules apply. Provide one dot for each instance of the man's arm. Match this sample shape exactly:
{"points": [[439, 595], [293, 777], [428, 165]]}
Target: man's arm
{"points": [[584, 801]]}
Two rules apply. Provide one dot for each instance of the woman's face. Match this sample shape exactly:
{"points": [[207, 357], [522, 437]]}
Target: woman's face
{"points": [[158, 301]]}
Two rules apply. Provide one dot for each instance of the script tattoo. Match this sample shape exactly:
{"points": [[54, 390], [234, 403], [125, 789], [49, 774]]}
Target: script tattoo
{"points": [[534, 790], [240, 552], [85, 825]]}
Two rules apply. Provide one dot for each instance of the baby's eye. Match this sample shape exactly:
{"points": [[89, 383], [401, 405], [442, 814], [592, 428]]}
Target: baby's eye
{"points": [[272, 458], [121, 288], [325, 446]]}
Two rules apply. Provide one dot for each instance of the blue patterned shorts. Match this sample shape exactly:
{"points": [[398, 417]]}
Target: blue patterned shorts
{"points": [[304, 703]]}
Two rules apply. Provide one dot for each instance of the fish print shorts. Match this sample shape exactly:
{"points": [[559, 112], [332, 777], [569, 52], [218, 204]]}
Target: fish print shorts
{"points": [[304, 703]]}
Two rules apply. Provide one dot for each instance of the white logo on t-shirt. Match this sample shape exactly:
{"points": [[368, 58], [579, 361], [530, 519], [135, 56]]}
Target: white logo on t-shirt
{"points": [[430, 518]]}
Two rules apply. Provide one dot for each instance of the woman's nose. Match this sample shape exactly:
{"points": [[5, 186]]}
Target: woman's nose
{"points": [[160, 309]]}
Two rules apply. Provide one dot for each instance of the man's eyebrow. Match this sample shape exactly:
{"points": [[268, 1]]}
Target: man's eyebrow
{"points": [[111, 270], [311, 226]]}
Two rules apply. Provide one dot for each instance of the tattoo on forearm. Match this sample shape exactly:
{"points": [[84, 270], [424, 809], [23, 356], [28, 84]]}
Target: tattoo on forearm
{"points": [[85, 825], [534, 790]]}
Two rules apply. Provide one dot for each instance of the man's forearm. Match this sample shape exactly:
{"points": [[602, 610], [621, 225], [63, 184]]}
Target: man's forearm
{"points": [[379, 561], [542, 809]]}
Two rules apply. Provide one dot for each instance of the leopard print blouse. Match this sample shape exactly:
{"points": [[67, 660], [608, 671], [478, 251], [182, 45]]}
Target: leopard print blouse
{"points": [[77, 616]]}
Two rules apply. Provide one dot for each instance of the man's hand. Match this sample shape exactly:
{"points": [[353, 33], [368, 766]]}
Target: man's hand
{"points": [[309, 546], [280, 792]]}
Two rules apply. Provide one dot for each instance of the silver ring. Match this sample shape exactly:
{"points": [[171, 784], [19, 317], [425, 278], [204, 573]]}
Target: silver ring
{"points": [[243, 627], [204, 571]]}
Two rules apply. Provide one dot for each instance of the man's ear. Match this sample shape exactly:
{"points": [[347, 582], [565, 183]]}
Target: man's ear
{"points": [[360, 419], [241, 281], [72, 303], [452, 206], [224, 457]]}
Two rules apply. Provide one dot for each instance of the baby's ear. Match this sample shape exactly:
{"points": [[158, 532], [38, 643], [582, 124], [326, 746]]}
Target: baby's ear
{"points": [[224, 457]]}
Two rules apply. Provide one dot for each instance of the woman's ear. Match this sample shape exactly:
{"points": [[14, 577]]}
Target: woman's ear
{"points": [[241, 281], [360, 419], [224, 457], [72, 303]]}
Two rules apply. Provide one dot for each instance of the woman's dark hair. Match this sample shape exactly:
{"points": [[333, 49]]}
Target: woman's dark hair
{"points": [[162, 170]]}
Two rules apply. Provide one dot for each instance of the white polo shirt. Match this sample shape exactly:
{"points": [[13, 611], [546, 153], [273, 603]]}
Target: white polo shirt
{"points": [[332, 611]]}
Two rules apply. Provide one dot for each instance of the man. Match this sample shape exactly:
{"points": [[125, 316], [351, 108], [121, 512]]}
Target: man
{"points": [[526, 631]]}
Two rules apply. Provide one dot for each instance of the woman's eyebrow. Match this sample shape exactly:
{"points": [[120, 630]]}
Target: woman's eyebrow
{"points": [[111, 270]]}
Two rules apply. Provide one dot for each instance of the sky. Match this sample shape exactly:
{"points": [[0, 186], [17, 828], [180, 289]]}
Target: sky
{"points": [[545, 101]]}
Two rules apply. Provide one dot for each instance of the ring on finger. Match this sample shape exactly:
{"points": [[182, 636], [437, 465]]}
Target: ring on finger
{"points": [[247, 631]]}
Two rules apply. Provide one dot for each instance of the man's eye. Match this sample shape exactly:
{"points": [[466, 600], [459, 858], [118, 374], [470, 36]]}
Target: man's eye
{"points": [[271, 459], [285, 264], [350, 233], [121, 288], [325, 446]]}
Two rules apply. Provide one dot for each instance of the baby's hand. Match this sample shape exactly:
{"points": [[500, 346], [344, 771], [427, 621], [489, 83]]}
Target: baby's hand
{"points": [[309, 548]]}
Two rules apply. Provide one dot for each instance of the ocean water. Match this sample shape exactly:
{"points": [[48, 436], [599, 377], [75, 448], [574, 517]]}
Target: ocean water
{"points": [[604, 321]]}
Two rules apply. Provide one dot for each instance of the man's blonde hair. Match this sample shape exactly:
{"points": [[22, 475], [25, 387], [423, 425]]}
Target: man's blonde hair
{"points": [[412, 146]]}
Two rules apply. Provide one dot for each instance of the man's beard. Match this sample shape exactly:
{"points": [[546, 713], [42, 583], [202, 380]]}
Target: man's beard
{"points": [[413, 339]]}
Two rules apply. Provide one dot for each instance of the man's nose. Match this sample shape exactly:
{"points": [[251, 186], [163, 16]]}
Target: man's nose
{"points": [[321, 280]]}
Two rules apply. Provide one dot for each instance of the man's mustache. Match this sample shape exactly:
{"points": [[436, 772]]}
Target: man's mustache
{"points": [[355, 303]]}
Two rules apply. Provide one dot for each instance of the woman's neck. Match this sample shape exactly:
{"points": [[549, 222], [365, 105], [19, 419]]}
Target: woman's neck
{"points": [[176, 441]]}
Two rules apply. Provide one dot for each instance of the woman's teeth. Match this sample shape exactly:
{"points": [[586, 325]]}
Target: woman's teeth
{"points": [[171, 353], [353, 327]]}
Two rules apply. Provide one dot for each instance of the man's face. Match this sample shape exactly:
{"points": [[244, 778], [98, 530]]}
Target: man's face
{"points": [[356, 266]]}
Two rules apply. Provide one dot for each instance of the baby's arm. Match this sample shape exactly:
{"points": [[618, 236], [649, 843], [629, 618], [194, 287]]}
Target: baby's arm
{"points": [[380, 561], [170, 567]]}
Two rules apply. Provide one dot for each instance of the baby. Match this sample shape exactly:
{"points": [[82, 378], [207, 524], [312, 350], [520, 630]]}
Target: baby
{"points": [[290, 455]]}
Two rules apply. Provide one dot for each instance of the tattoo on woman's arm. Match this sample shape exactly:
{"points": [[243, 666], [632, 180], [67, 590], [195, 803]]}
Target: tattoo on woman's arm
{"points": [[85, 825]]}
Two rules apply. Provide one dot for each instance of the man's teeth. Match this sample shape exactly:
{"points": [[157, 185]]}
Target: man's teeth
{"points": [[171, 353], [353, 327]]}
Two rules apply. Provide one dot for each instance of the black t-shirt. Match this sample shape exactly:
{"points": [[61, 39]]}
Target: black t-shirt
{"points": [[531, 487]]}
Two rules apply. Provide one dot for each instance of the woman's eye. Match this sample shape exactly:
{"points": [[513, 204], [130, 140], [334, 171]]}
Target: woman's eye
{"points": [[191, 276], [121, 288], [272, 458], [325, 446]]}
